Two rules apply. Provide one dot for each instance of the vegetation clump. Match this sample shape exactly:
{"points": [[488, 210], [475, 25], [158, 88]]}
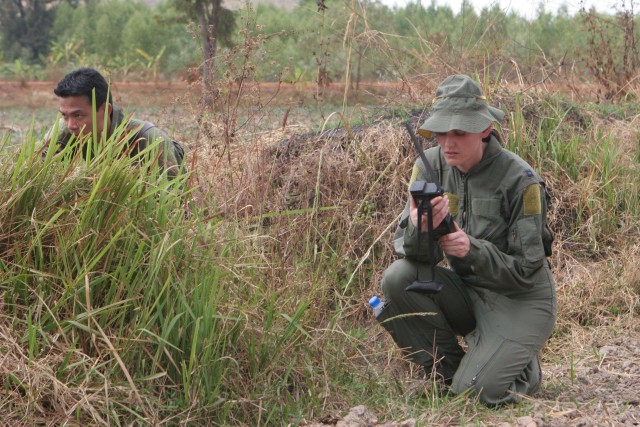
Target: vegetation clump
{"points": [[117, 307], [125, 301]]}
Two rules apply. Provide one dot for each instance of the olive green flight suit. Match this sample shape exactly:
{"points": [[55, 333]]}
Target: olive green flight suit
{"points": [[500, 297], [171, 153]]}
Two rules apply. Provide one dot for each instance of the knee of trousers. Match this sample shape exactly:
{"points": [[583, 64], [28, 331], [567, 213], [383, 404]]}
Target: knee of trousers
{"points": [[493, 374], [396, 278], [489, 392]]}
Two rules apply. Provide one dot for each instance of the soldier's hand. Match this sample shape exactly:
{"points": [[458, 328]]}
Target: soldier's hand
{"points": [[440, 206], [440, 209], [455, 244]]}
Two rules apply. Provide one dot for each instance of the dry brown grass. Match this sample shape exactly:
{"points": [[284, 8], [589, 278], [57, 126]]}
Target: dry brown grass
{"points": [[275, 186], [366, 176], [363, 173], [33, 393]]}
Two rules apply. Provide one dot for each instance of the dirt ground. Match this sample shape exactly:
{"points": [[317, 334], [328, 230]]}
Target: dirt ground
{"points": [[595, 384], [592, 374], [36, 95], [163, 94]]}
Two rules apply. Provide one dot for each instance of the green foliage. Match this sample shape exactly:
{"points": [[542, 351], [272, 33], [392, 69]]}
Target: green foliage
{"points": [[346, 42], [24, 28], [141, 314], [94, 249], [554, 137], [112, 23], [114, 30], [611, 53], [213, 13], [141, 33], [179, 314]]}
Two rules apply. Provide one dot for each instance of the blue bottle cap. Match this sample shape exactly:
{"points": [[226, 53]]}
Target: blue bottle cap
{"points": [[374, 301]]}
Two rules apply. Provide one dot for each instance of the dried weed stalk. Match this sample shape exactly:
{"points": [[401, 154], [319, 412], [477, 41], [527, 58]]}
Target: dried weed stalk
{"points": [[612, 54]]}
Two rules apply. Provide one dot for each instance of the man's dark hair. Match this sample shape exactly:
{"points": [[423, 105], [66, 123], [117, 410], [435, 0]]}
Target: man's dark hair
{"points": [[81, 82]]}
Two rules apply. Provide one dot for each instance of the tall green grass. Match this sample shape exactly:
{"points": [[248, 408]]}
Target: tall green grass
{"points": [[146, 313], [126, 308], [584, 165], [166, 311]]}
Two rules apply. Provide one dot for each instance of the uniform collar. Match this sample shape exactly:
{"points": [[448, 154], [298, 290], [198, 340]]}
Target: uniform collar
{"points": [[493, 150], [117, 116]]}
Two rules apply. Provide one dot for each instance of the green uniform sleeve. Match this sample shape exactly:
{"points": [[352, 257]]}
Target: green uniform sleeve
{"points": [[170, 156], [519, 266], [502, 206]]}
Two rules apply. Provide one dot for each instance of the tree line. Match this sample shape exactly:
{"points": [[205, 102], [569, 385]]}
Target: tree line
{"points": [[313, 41]]}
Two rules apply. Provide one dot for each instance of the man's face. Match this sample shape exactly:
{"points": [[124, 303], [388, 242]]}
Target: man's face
{"points": [[77, 115]]}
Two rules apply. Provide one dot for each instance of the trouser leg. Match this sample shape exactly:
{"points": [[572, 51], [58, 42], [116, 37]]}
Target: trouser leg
{"points": [[426, 326], [529, 380], [501, 363], [499, 370]]}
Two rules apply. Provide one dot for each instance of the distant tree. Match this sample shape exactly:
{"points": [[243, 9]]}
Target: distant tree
{"points": [[216, 24], [110, 20], [25, 27]]}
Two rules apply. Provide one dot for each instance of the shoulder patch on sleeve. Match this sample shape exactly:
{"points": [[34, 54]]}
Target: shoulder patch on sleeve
{"points": [[531, 199], [414, 175]]}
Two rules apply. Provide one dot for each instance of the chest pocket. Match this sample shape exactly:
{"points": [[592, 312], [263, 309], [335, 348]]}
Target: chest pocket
{"points": [[486, 222]]}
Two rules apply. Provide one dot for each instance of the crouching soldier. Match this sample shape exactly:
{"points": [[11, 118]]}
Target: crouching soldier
{"points": [[76, 92]]}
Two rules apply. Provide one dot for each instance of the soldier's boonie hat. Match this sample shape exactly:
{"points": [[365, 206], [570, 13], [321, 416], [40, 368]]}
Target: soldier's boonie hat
{"points": [[459, 105]]}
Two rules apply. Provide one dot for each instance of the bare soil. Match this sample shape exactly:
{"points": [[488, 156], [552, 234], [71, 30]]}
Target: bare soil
{"points": [[163, 94]]}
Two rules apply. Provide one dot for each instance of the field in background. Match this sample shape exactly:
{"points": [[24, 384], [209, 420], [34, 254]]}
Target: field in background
{"points": [[299, 226]]}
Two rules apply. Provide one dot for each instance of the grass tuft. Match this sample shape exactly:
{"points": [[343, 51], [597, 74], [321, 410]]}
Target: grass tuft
{"points": [[120, 308]]}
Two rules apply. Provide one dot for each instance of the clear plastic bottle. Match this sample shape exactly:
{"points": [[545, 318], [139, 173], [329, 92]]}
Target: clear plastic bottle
{"points": [[377, 305]]}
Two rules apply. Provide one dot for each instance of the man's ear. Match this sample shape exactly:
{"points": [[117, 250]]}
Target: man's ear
{"points": [[109, 109], [106, 106], [486, 132]]}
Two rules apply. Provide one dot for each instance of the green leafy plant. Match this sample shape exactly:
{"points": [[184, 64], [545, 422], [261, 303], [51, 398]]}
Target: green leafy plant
{"points": [[151, 63]]}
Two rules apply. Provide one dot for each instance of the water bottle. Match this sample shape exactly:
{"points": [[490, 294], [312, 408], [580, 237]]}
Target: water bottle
{"points": [[377, 305]]}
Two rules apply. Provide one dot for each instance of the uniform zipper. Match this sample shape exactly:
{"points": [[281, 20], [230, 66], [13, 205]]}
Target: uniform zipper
{"points": [[465, 203]]}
